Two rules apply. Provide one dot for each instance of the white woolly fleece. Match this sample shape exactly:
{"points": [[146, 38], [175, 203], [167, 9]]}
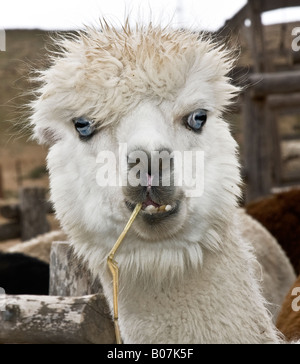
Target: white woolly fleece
{"points": [[192, 279]]}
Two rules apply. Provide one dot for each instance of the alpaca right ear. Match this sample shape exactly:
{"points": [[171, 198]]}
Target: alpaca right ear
{"points": [[46, 136]]}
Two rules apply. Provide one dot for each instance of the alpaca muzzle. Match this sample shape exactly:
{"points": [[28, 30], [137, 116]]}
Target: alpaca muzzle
{"points": [[151, 182]]}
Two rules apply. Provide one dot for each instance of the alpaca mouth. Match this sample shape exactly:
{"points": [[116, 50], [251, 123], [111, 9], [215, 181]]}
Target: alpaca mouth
{"points": [[151, 208]]}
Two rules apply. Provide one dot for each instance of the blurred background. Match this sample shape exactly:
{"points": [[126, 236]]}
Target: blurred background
{"points": [[265, 120]]}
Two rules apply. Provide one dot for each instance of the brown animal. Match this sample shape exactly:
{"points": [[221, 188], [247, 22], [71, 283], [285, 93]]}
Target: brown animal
{"points": [[280, 215], [288, 321]]}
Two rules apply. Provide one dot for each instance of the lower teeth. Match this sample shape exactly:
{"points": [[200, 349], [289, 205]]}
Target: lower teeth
{"points": [[152, 209]]}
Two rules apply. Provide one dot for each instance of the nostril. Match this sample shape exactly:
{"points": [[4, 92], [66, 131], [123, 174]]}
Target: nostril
{"points": [[149, 182], [149, 179]]}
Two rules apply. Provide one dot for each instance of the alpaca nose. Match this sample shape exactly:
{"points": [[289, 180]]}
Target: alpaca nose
{"points": [[150, 174], [152, 168], [149, 182]]}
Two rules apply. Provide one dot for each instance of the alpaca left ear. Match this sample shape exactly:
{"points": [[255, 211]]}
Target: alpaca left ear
{"points": [[46, 136]]}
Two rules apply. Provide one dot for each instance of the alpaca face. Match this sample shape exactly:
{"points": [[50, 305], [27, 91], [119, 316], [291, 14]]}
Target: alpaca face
{"points": [[149, 91]]}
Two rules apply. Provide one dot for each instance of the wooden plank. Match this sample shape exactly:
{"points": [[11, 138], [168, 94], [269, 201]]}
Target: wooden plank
{"points": [[284, 101], [268, 5], [33, 213], [261, 85], [238, 20], [68, 275], [54, 320], [10, 230]]}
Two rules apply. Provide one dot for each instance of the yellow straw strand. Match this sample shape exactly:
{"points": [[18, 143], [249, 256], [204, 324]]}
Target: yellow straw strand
{"points": [[113, 266]]}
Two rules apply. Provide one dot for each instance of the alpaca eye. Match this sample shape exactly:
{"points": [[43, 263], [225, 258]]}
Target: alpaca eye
{"points": [[196, 120], [84, 127]]}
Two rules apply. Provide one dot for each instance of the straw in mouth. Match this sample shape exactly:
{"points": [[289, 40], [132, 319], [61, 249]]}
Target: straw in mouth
{"points": [[113, 266]]}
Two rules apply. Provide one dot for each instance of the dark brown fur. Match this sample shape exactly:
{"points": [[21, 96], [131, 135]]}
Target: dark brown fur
{"points": [[280, 215], [288, 321]]}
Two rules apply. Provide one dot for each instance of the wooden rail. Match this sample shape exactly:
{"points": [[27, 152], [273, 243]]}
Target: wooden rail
{"points": [[265, 84], [237, 21]]}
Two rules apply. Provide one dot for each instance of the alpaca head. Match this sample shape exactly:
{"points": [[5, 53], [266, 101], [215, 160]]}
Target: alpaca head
{"points": [[133, 94]]}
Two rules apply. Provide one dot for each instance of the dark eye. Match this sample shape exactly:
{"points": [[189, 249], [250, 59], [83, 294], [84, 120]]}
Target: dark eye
{"points": [[84, 127], [196, 120]]}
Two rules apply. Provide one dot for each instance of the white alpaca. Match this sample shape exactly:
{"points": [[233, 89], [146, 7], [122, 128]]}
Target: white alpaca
{"points": [[275, 271], [186, 275]]}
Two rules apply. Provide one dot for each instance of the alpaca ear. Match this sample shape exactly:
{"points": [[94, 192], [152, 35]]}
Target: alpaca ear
{"points": [[46, 136]]}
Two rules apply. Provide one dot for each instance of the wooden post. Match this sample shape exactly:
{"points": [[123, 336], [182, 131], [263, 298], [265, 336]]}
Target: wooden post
{"points": [[283, 33], [257, 42], [257, 147], [33, 212], [55, 320], [68, 275], [275, 147]]}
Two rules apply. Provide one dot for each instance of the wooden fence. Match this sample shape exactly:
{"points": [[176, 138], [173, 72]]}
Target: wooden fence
{"points": [[268, 92], [75, 312]]}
